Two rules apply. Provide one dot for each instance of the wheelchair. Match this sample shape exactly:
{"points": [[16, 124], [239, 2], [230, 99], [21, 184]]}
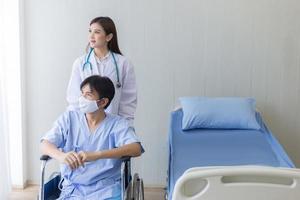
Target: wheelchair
{"points": [[131, 188]]}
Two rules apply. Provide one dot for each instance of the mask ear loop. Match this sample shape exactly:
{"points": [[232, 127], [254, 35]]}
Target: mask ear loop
{"points": [[99, 100]]}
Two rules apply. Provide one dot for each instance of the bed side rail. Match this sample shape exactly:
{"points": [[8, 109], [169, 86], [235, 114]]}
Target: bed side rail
{"points": [[238, 182]]}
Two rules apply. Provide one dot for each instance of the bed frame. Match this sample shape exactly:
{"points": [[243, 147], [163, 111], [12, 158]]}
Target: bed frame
{"points": [[238, 182]]}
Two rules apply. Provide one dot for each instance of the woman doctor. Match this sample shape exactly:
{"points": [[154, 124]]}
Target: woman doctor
{"points": [[104, 58]]}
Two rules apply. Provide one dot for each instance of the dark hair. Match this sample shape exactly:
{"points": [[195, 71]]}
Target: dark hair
{"points": [[103, 86], [109, 27]]}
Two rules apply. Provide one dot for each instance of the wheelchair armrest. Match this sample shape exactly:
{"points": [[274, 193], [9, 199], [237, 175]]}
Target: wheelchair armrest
{"points": [[125, 158], [45, 157]]}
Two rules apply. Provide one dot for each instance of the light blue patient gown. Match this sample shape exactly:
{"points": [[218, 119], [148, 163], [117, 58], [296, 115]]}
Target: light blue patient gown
{"points": [[98, 179]]}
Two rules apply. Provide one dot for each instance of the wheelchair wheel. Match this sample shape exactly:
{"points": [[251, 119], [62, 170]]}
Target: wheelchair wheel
{"points": [[138, 188], [141, 190], [128, 192], [166, 196], [135, 187]]}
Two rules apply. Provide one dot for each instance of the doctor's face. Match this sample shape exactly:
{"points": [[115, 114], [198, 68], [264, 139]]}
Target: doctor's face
{"points": [[97, 36]]}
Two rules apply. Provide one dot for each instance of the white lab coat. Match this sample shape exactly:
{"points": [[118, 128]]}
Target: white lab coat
{"points": [[125, 99]]}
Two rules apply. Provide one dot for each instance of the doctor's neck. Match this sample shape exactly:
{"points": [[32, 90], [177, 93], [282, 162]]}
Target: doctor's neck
{"points": [[101, 52]]}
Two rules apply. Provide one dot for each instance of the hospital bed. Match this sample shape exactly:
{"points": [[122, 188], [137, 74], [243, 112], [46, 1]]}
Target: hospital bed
{"points": [[228, 164], [131, 188]]}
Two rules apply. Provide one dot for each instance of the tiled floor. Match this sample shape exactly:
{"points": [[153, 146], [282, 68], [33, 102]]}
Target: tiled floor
{"points": [[30, 193]]}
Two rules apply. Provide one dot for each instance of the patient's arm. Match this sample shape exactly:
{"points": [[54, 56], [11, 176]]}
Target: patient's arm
{"points": [[70, 158], [132, 150]]}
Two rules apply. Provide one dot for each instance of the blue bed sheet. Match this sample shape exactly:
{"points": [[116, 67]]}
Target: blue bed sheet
{"points": [[216, 147]]}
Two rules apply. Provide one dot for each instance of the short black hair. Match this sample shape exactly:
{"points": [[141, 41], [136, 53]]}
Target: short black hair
{"points": [[103, 86]]}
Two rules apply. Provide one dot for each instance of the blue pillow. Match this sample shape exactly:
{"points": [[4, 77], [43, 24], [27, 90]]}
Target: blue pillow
{"points": [[218, 113]]}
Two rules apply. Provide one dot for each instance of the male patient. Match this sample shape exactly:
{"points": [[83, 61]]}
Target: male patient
{"points": [[89, 143]]}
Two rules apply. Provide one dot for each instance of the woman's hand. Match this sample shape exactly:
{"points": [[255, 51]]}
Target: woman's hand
{"points": [[72, 159]]}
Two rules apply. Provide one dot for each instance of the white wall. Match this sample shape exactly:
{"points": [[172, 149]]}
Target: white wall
{"points": [[196, 47]]}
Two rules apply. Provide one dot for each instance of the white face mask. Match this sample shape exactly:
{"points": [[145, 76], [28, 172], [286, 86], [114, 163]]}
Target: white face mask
{"points": [[87, 106]]}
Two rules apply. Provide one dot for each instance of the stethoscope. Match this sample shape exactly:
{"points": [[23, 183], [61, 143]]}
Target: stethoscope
{"points": [[89, 64]]}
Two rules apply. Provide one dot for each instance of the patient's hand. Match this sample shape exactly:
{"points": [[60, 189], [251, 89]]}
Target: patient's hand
{"points": [[83, 156], [72, 159], [88, 156]]}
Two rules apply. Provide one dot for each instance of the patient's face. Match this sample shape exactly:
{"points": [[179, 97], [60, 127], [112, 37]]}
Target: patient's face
{"points": [[89, 93]]}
